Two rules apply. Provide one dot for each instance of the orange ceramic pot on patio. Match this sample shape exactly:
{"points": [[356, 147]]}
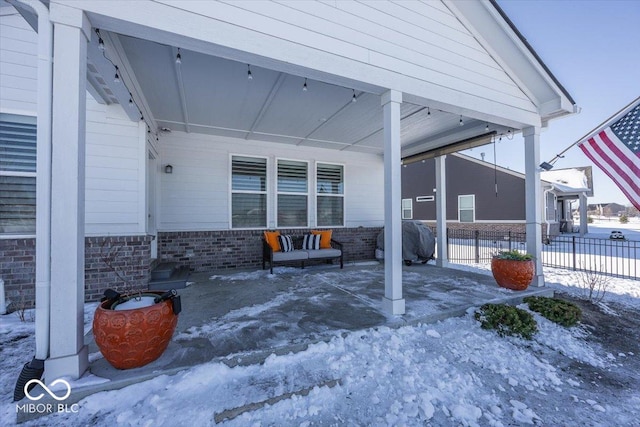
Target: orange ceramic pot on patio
{"points": [[513, 274], [133, 338]]}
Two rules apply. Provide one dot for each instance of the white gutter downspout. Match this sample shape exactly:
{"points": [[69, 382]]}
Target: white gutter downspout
{"points": [[43, 175]]}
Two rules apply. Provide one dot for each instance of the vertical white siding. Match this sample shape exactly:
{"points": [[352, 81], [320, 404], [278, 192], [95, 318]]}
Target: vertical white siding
{"points": [[196, 195]]}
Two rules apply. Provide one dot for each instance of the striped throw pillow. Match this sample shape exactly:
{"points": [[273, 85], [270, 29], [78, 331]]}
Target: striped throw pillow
{"points": [[286, 243], [311, 241]]}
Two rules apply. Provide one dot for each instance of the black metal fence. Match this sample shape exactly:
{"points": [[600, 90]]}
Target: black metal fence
{"points": [[614, 257]]}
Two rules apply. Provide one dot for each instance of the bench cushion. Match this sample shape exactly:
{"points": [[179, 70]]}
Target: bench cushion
{"points": [[323, 253], [295, 255]]}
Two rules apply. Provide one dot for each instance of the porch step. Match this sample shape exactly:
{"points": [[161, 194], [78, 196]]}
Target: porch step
{"points": [[177, 279], [163, 270]]}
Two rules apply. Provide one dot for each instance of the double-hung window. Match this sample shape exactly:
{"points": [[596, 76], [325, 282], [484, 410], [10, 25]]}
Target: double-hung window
{"points": [[407, 208], [17, 174], [467, 208], [329, 195], [248, 192], [293, 189], [550, 202]]}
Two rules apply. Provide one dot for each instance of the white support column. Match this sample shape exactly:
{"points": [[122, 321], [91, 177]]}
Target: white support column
{"points": [[441, 212], [533, 199], [68, 354], [392, 302], [584, 228]]}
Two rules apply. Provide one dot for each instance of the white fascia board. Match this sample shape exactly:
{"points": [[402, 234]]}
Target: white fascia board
{"points": [[484, 21]]}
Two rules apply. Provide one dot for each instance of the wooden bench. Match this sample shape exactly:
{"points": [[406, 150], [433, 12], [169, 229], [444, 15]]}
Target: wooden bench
{"points": [[302, 255]]}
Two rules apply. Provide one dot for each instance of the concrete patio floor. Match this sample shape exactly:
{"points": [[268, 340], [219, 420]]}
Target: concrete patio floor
{"points": [[242, 317]]}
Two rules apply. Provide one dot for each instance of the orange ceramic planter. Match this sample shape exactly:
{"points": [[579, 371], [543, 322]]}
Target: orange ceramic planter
{"points": [[133, 338], [513, 274]]}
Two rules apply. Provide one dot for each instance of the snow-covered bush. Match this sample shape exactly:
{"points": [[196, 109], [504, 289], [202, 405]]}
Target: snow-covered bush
{"points": [[507, 320]]}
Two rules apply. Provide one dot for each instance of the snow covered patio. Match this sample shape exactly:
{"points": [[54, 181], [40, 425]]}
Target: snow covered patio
{"points": [[242, 317]]}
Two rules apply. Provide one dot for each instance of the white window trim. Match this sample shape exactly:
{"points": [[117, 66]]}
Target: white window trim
{"points": [[277, 192], [231, 191], [473, 210], [420, 199], [402, 208], [343, 195]]}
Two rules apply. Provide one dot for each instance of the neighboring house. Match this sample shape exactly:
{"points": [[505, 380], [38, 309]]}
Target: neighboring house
{"points": [[563, 187], [182, 130], [484, 196], [606, 209]]}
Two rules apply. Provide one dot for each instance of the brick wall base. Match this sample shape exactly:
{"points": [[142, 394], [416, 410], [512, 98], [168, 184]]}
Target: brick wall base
{"points": [[205, 251], [129, 255], [18, 270]]}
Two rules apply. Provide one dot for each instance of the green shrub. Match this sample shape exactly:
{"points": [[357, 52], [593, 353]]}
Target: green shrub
{"points": [[514, 255], [562, 312], [624, 219], [507, 320], [589, 220]]}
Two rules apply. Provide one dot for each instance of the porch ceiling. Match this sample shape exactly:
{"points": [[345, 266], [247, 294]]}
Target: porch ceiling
{"points": [[213, 95]]}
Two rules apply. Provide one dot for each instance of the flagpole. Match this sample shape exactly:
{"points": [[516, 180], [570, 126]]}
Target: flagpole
{"points": [[600, 126]]}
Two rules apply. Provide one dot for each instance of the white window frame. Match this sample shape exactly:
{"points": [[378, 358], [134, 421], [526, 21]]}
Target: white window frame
{"points": [[278, 192], [420, 199], [232, 191], [27, 118], [317, 194], [551, 208], [473, 209], [409, 209]]}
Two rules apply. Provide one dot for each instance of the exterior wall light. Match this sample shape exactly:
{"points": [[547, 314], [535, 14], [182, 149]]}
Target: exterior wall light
{"points": [[168, 169]]}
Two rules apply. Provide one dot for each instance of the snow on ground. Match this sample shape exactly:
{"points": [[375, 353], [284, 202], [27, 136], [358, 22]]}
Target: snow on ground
{"points": [[602, 228], [450, 373]]}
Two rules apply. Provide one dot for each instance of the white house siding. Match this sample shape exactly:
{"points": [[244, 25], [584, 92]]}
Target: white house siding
{"points": [[115, 165], [115, 156], [195, 197], [18, 64], [418, 48], [115, 176]]}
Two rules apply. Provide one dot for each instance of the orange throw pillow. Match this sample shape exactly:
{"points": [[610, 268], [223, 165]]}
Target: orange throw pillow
{"points": [[325, 238], [272, 240]]}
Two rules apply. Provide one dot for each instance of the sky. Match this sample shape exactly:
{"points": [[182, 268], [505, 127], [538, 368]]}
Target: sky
{"points": [[591, 47]]}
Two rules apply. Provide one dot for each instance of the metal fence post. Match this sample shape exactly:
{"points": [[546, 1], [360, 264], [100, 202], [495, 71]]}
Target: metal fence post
{"points": [[509, 240], [448, 248], [477, 246], [573, 244]]}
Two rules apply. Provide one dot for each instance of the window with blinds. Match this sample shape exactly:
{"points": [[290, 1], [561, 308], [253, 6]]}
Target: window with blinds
{"points": [[330, 195], [248, 192], [467, 208], [17, 174], [292, 197]]}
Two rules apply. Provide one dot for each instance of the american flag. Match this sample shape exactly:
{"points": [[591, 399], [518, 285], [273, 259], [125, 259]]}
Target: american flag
{"points": [[615, 148]]}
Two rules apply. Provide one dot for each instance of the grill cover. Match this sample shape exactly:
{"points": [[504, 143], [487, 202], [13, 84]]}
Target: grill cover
{"points": [[418, 241]]}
